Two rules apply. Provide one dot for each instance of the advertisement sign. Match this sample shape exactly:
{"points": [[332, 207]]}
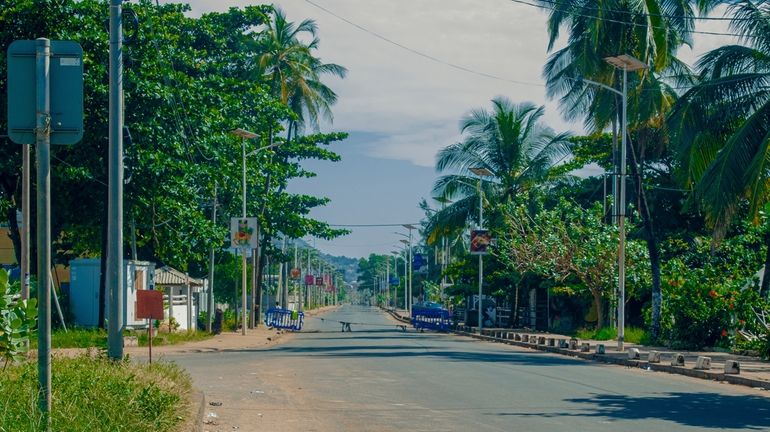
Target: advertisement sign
{"points": [[309, 279], [394, 280], [243, 233], [488, 310], [319, 281], [480, 240], [417, 261], [149, 304], [295, 273]]}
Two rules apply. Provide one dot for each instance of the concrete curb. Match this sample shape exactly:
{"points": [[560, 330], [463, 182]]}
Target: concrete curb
{"points": [[194, 423], [641, 364]]}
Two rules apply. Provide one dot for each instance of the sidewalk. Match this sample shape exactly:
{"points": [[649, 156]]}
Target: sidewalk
{"points": [[752, 371]]}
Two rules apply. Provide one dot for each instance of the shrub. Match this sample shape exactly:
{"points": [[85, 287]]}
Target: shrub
{"points": [[17, 319]]}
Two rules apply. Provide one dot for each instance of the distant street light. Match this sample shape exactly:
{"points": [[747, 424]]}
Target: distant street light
{"points": [[481, 172]]}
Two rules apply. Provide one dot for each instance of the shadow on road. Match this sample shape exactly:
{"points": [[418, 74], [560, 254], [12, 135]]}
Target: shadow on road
{"points": [[701, 410]]}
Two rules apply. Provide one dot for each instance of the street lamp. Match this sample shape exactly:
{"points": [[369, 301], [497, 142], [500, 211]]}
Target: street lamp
{"points": [[244, 135], [397, 255], [410, 227], [626, 63], [481, 172]]}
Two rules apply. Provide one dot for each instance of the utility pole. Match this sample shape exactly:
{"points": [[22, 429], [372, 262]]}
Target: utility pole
{"points": [[210, 314], [25, 226], [115, 198]]}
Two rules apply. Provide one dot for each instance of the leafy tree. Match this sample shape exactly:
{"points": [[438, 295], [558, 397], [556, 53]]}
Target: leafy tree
{"points": [[652, 31], [17, 320], [721, 125]]}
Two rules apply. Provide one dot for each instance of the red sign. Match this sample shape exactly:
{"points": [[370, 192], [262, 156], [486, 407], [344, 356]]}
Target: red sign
{"points": [[149, 304], [309, 279], [295, 272]]}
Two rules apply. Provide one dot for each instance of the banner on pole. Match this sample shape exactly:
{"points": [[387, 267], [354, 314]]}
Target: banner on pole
{"points": [[243, 233], [480, 241]]}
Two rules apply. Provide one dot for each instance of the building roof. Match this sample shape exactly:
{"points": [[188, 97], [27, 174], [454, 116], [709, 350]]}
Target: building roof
{"points": [[167, 276]]}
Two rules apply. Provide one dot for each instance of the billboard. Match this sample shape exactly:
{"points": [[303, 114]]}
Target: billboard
{"points": [[243, 233], [480, 240]]}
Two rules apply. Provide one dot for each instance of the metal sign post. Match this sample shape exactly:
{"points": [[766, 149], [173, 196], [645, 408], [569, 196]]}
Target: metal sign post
{"points": [[149, 305], [44, 110]]}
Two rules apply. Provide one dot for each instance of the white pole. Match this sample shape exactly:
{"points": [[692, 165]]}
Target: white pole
{"points": [[622, 226], [481, 260], [244, 263]]}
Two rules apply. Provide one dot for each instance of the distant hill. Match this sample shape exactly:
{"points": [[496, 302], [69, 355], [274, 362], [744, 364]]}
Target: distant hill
{"points": [[347, 265]]}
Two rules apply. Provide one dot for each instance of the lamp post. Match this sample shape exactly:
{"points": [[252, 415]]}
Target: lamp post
{"points": [[406, 274], [481, 172], [410, 267], [396, 256], [625, 63]]}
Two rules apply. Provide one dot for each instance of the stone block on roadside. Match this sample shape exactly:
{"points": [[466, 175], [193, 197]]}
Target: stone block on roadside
{"points": [[653, 357], [703, 363], [732, 367], [677, 360], [573, 344], [130, 341], [633, 354], [585, 347], [600, 349]]}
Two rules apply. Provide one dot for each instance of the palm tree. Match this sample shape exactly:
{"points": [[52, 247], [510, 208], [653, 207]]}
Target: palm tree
{"points": [[651, 31], [512, 143], [722, 125], [292, 72]]}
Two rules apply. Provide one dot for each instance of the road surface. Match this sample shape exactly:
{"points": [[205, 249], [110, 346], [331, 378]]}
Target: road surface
{"points": [[378, 378]]}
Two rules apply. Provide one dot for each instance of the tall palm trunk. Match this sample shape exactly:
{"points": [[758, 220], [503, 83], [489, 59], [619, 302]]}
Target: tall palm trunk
{"points": [[652, 248]]}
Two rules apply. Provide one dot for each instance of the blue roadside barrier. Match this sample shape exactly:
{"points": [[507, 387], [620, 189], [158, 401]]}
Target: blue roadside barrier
{"points": [[431, 319], [284, 319]]}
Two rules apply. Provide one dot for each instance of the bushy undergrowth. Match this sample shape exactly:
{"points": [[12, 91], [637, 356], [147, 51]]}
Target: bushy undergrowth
{"points": [[631, 335], [92, 393]]}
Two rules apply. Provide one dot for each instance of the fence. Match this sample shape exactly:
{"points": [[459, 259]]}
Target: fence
{"points": [[431, 319], [284, 319]]}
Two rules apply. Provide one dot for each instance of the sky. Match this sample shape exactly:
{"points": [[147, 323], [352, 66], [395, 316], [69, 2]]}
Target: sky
{"points": [[401, 107]]}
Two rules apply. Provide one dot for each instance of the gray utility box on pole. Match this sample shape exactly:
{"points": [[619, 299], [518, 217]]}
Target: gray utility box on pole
{"points": [[66, 83]]}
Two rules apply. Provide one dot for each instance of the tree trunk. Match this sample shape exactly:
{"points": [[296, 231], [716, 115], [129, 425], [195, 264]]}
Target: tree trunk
{"points": [[652, 249], [765, 287], [599, 303], [14, 233]]}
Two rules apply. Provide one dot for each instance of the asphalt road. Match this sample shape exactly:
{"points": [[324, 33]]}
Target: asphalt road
{"points": [[378, 378]]}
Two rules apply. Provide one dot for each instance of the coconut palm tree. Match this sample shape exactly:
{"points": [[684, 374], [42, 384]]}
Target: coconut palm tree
{"points": [[722, 124], [512, 143], [292, 72], [651, 31]]}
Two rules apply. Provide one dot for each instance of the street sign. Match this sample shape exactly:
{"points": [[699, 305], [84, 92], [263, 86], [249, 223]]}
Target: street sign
{"points": [[243, 233], [149, 304], [394, 280], [319, 281], [309, 279], [66, 92]]}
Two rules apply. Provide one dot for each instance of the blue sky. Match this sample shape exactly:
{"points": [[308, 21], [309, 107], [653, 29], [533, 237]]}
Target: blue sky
{"points": [[401, 107]]}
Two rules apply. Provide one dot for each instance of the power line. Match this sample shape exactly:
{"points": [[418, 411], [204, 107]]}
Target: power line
{"points": [[420, 53]]}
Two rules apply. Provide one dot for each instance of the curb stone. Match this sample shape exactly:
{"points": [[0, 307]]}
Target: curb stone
{"points": [[197, 413], [603, 358]]}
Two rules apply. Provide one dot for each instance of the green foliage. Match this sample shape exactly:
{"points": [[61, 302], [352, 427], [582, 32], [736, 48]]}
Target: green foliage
{"points": [[98, 394], [18, 318], [631, 334], [160, 338], [703, 309]]}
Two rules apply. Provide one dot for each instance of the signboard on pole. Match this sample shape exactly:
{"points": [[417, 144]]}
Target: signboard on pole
{"points": [[417, 261], [395, 280], [66, 92], [319, 281], [295, 273], [243, 233], [149, 304], [480, 241], [309, 279]]}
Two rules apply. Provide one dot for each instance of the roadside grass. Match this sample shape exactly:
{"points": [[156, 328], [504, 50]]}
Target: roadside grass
{"points": [[92, 393], [633, 335], [97, 338], [160, 338]]}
